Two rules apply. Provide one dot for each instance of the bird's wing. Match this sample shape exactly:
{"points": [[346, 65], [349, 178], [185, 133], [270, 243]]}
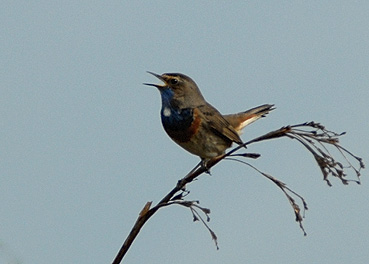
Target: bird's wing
{"points": [[219, 124]]}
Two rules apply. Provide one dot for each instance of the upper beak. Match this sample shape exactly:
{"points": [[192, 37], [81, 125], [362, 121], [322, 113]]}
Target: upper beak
{"points": [[157, 76]]}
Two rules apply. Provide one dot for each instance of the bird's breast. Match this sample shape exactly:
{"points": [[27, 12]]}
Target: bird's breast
{"points": [[180, 124]]}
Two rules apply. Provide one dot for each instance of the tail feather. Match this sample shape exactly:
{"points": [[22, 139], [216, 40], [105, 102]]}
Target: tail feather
{"points": [[240, 120]]}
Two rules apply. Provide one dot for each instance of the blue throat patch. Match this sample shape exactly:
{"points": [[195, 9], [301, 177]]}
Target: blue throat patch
{"points": [[172, 118], [166, 97]]}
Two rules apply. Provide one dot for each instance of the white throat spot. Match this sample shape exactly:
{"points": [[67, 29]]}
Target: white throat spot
{"points": [[167, 112]]}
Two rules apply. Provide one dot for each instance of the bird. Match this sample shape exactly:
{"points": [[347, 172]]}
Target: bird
{"points": [[194, 124]]}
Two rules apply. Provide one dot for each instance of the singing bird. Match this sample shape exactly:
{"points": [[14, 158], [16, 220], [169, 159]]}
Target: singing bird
{"points": [[196, 125]]}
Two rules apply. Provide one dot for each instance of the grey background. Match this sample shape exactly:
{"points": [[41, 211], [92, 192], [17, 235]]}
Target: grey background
{"points": [[82, 147]]}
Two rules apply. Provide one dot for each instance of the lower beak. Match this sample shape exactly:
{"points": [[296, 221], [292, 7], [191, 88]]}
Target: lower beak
{"points": [[157, 76]]}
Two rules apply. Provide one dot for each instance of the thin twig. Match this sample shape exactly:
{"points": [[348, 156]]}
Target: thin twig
{"points": [[286, 191]]}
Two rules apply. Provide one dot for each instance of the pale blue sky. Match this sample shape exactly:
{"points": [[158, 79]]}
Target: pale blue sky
{"points": [[82, 147]]}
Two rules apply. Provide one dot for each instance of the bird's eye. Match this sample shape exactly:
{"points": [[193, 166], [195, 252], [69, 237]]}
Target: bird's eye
{"points": [[173, 81]]}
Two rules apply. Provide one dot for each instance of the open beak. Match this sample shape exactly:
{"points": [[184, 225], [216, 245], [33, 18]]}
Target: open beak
{"points": [[156, 85]]}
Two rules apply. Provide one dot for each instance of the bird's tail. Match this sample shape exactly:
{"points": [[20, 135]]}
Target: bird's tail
{"points": [[240, 120]]}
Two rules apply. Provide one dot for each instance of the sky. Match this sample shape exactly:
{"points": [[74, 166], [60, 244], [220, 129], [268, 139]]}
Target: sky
{"points": [[83, 149]]}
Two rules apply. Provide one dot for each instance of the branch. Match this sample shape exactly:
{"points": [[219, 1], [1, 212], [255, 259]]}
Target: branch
{"points": [[313, 136]]}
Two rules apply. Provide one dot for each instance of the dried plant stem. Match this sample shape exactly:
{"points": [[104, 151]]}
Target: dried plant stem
{"points": [[146, 212], [309, 134]]}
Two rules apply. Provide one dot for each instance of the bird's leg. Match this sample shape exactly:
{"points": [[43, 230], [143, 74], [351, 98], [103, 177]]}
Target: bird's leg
{"points": [[204, 164], [194, 169]]}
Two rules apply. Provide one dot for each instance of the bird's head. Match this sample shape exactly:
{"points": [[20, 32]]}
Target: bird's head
{"points": [[179, 88]]}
